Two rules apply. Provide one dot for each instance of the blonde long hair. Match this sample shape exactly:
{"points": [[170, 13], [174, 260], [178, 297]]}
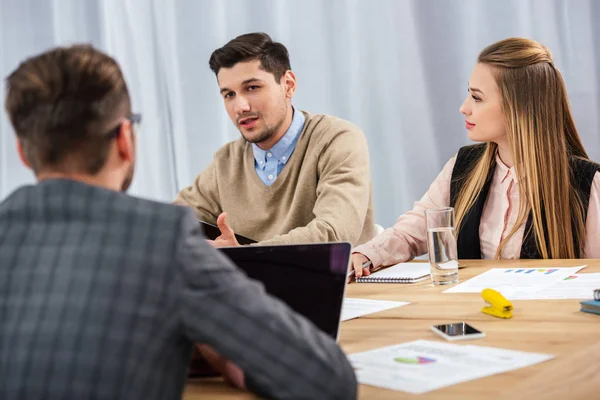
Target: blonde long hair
{"points": [[542, 137]]}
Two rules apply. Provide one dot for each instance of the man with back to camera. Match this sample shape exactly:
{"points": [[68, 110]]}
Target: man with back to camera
{"points": [[293, 177], [102, 295]]}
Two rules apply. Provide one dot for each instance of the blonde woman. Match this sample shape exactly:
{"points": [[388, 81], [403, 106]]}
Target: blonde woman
{"points": [[528, 190]]}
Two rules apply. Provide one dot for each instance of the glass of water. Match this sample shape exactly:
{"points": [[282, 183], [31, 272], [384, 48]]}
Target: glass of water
{"points": [[441, 241]]}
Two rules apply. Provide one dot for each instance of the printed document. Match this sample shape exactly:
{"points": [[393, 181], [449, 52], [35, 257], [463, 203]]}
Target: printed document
{"points": [[511, 280], [422, 366], [579, 286], [354, 308]]}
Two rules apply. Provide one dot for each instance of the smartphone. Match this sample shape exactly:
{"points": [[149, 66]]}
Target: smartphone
{"points": [[457, 331]]}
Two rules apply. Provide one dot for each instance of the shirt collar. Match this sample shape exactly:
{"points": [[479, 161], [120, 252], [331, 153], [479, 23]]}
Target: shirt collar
{"points": [[282, 150], [504, 172]]}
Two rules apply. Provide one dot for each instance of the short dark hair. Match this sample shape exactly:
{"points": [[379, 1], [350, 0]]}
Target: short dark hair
{"points": [[62, 103], [274, 57]]}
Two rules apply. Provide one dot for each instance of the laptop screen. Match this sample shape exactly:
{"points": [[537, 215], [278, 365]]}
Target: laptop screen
{"points": [[310, 278]]}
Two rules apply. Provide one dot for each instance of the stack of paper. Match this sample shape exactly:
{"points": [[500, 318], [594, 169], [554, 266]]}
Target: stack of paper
{"points": [[421, 366], [512, 281], [354, 308]]}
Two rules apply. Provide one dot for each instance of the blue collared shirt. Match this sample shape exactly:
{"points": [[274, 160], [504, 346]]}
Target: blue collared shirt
{"points": [[269, 163]]}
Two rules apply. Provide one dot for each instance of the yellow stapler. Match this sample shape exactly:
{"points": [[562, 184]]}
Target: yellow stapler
{"points": [[498, 305]]}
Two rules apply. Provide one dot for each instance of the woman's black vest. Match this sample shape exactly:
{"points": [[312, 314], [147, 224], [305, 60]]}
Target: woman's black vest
{"points": [[582, 175]]}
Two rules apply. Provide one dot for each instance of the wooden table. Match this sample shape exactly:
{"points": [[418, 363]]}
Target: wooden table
{"points": [[546, 326]]}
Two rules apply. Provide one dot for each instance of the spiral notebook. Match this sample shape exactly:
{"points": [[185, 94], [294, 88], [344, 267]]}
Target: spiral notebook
{"points": [[399, 273]]}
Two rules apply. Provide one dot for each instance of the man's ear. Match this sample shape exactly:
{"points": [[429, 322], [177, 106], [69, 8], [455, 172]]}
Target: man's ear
{"points": [[22, 156], [289, 83], [125, 141]]}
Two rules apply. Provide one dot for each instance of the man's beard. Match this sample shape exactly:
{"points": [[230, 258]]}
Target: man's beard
{"points": [[269, 130], [128, 178], [266, 134]]}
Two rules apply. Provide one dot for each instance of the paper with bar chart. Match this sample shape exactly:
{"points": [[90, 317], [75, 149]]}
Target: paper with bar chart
{"points": [[579, 286], [509, 281], [423, 365]]}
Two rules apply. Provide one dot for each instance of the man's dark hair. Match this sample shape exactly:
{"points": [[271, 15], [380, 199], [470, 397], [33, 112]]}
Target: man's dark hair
{"points": [[62, 103], [274, 57]]}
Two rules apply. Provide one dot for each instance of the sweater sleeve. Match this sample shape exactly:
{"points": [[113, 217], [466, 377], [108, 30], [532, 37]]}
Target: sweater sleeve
{"points": [[343, 191], [203, 196]]}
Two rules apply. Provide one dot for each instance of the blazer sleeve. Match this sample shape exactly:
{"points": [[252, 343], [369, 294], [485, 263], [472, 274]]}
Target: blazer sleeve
{"points": [[281, 353]]}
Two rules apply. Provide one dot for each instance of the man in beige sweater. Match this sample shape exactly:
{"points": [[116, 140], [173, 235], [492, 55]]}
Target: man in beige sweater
{"points": [[293, 177]]}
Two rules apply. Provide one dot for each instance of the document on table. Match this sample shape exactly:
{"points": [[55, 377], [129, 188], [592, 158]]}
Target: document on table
{"points": [[579, 286], [422, 366], [354, 308], [511, 280]]}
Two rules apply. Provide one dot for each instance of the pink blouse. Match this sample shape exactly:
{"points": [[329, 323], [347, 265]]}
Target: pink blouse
{"points": [[408, 237]]}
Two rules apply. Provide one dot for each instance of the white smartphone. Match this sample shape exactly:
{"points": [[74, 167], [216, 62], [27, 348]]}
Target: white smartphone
{"points": [[457, 331]]}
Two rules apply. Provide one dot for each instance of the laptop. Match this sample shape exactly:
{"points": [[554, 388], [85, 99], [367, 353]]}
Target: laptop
{"points": [[310, 278]]}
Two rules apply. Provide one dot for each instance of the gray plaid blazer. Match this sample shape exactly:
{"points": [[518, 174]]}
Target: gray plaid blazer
{"points": [[102, 296]]}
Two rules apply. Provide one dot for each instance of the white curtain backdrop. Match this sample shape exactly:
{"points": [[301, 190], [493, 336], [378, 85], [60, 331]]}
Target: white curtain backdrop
{"points": [[396, 68]]}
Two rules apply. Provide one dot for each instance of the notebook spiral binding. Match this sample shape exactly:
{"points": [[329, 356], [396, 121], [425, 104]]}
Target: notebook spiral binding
{"points": [[368, 279], [597, 294]]}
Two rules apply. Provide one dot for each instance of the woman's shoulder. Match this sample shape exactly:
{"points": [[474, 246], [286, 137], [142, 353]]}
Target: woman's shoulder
{"points": [[467, 156], [473, 150], [584, 163], [583, 173]]}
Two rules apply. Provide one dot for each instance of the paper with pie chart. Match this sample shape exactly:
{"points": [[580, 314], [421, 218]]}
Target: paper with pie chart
{"points": [[422, 366]]}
